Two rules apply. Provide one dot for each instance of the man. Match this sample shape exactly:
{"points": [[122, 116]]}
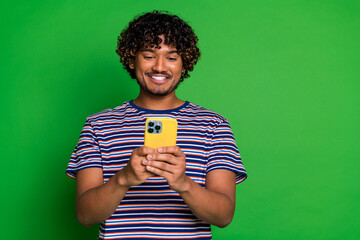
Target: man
{"points": [[173, 192]]}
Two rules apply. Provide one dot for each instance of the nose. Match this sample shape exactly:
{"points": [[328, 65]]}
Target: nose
{"points": [[159, 65]]}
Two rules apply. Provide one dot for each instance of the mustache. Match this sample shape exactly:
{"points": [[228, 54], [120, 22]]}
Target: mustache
{"points": [[161, 73]]}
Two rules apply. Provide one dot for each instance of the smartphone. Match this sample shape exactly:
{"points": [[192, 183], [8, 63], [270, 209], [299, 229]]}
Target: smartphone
{"points": [[160, 132]]}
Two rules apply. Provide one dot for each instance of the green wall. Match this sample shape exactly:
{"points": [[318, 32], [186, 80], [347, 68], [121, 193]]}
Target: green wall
{"points": [[285, 73]]}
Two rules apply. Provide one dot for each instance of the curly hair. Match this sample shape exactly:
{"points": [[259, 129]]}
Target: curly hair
{"points": [[144, 31]]}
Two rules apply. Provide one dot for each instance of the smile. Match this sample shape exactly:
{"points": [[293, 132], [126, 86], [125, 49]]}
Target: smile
{"points": [[158, 78]]}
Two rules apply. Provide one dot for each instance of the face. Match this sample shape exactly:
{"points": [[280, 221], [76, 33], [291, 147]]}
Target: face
{"points": [[158, 70]]}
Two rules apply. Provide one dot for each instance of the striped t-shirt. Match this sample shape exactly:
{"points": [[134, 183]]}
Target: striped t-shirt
{"points": [[152, 210]]}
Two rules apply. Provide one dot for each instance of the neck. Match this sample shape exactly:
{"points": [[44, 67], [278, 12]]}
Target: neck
{"points": [[152, 102]]}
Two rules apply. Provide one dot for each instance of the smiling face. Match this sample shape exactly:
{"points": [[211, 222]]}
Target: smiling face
{"points": [[158, 70]]}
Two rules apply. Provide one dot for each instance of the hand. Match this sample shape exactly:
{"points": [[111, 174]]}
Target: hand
{"points": [[135, 172], [169, 163]]}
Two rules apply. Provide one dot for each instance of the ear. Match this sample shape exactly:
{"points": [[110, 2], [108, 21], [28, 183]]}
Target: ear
{"points": [[131, 64]]}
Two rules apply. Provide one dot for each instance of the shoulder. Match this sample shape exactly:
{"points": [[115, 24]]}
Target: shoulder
{"points": [[203, 113], [116, 112]]}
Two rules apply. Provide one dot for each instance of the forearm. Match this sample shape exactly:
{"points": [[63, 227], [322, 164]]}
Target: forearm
{"points": [[214, 204], [96, 201], [97, 204], [210, 206]]}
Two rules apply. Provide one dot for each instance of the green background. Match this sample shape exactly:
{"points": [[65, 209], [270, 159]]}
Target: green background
{"points": [[284, 73]]}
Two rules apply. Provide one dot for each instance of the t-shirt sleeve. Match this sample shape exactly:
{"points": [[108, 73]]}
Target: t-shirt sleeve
{"points": [[224, 154], [86, 153]]}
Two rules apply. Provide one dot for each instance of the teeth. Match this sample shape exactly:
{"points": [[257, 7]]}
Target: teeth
{"points": [[158, 78]]}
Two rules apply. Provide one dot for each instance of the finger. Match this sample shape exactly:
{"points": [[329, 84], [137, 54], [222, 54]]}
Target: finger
{"points": [[169, 158], [160, 172], [174, 150], [143, 151], [164, 166]]}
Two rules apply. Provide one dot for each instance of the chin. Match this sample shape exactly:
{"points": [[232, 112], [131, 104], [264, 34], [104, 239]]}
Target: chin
{"points": [[159, 93]]}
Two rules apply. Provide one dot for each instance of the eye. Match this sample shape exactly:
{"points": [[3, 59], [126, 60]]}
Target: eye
{"points": [[148, 57], [172, 58]]}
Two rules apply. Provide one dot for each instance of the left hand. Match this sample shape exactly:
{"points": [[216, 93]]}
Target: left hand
{"points": [[169, 163]]}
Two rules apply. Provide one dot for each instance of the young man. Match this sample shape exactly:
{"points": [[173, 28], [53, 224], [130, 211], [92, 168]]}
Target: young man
{"points": [[173, 192]]}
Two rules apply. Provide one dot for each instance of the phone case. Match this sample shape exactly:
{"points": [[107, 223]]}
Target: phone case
{"points": [[162, 136]]}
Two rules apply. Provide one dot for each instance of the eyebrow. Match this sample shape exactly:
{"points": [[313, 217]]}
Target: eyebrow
{"points": [[153, 51]]}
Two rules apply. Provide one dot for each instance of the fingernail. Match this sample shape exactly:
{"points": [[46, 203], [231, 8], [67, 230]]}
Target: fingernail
{"points": [[160, 149], [144, 161], [149, 156]]}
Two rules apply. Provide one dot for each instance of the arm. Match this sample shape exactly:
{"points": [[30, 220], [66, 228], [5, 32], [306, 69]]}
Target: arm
{"points": [[96, 201], [214, 204]]}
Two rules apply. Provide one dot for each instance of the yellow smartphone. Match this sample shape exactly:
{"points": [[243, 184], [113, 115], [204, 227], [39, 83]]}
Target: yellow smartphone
{"points": [[160, 132]]}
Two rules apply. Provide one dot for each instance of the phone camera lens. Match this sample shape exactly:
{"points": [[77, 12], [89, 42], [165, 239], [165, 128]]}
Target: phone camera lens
{"points": [[157, 127], [151, 124], [150, 130]]}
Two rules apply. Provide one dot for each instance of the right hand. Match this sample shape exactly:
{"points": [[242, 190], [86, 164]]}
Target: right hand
{"points": [[135, 172]]}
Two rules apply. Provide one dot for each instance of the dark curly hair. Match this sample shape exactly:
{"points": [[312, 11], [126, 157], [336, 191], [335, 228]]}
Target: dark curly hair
{"points": [[144, 31]]}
